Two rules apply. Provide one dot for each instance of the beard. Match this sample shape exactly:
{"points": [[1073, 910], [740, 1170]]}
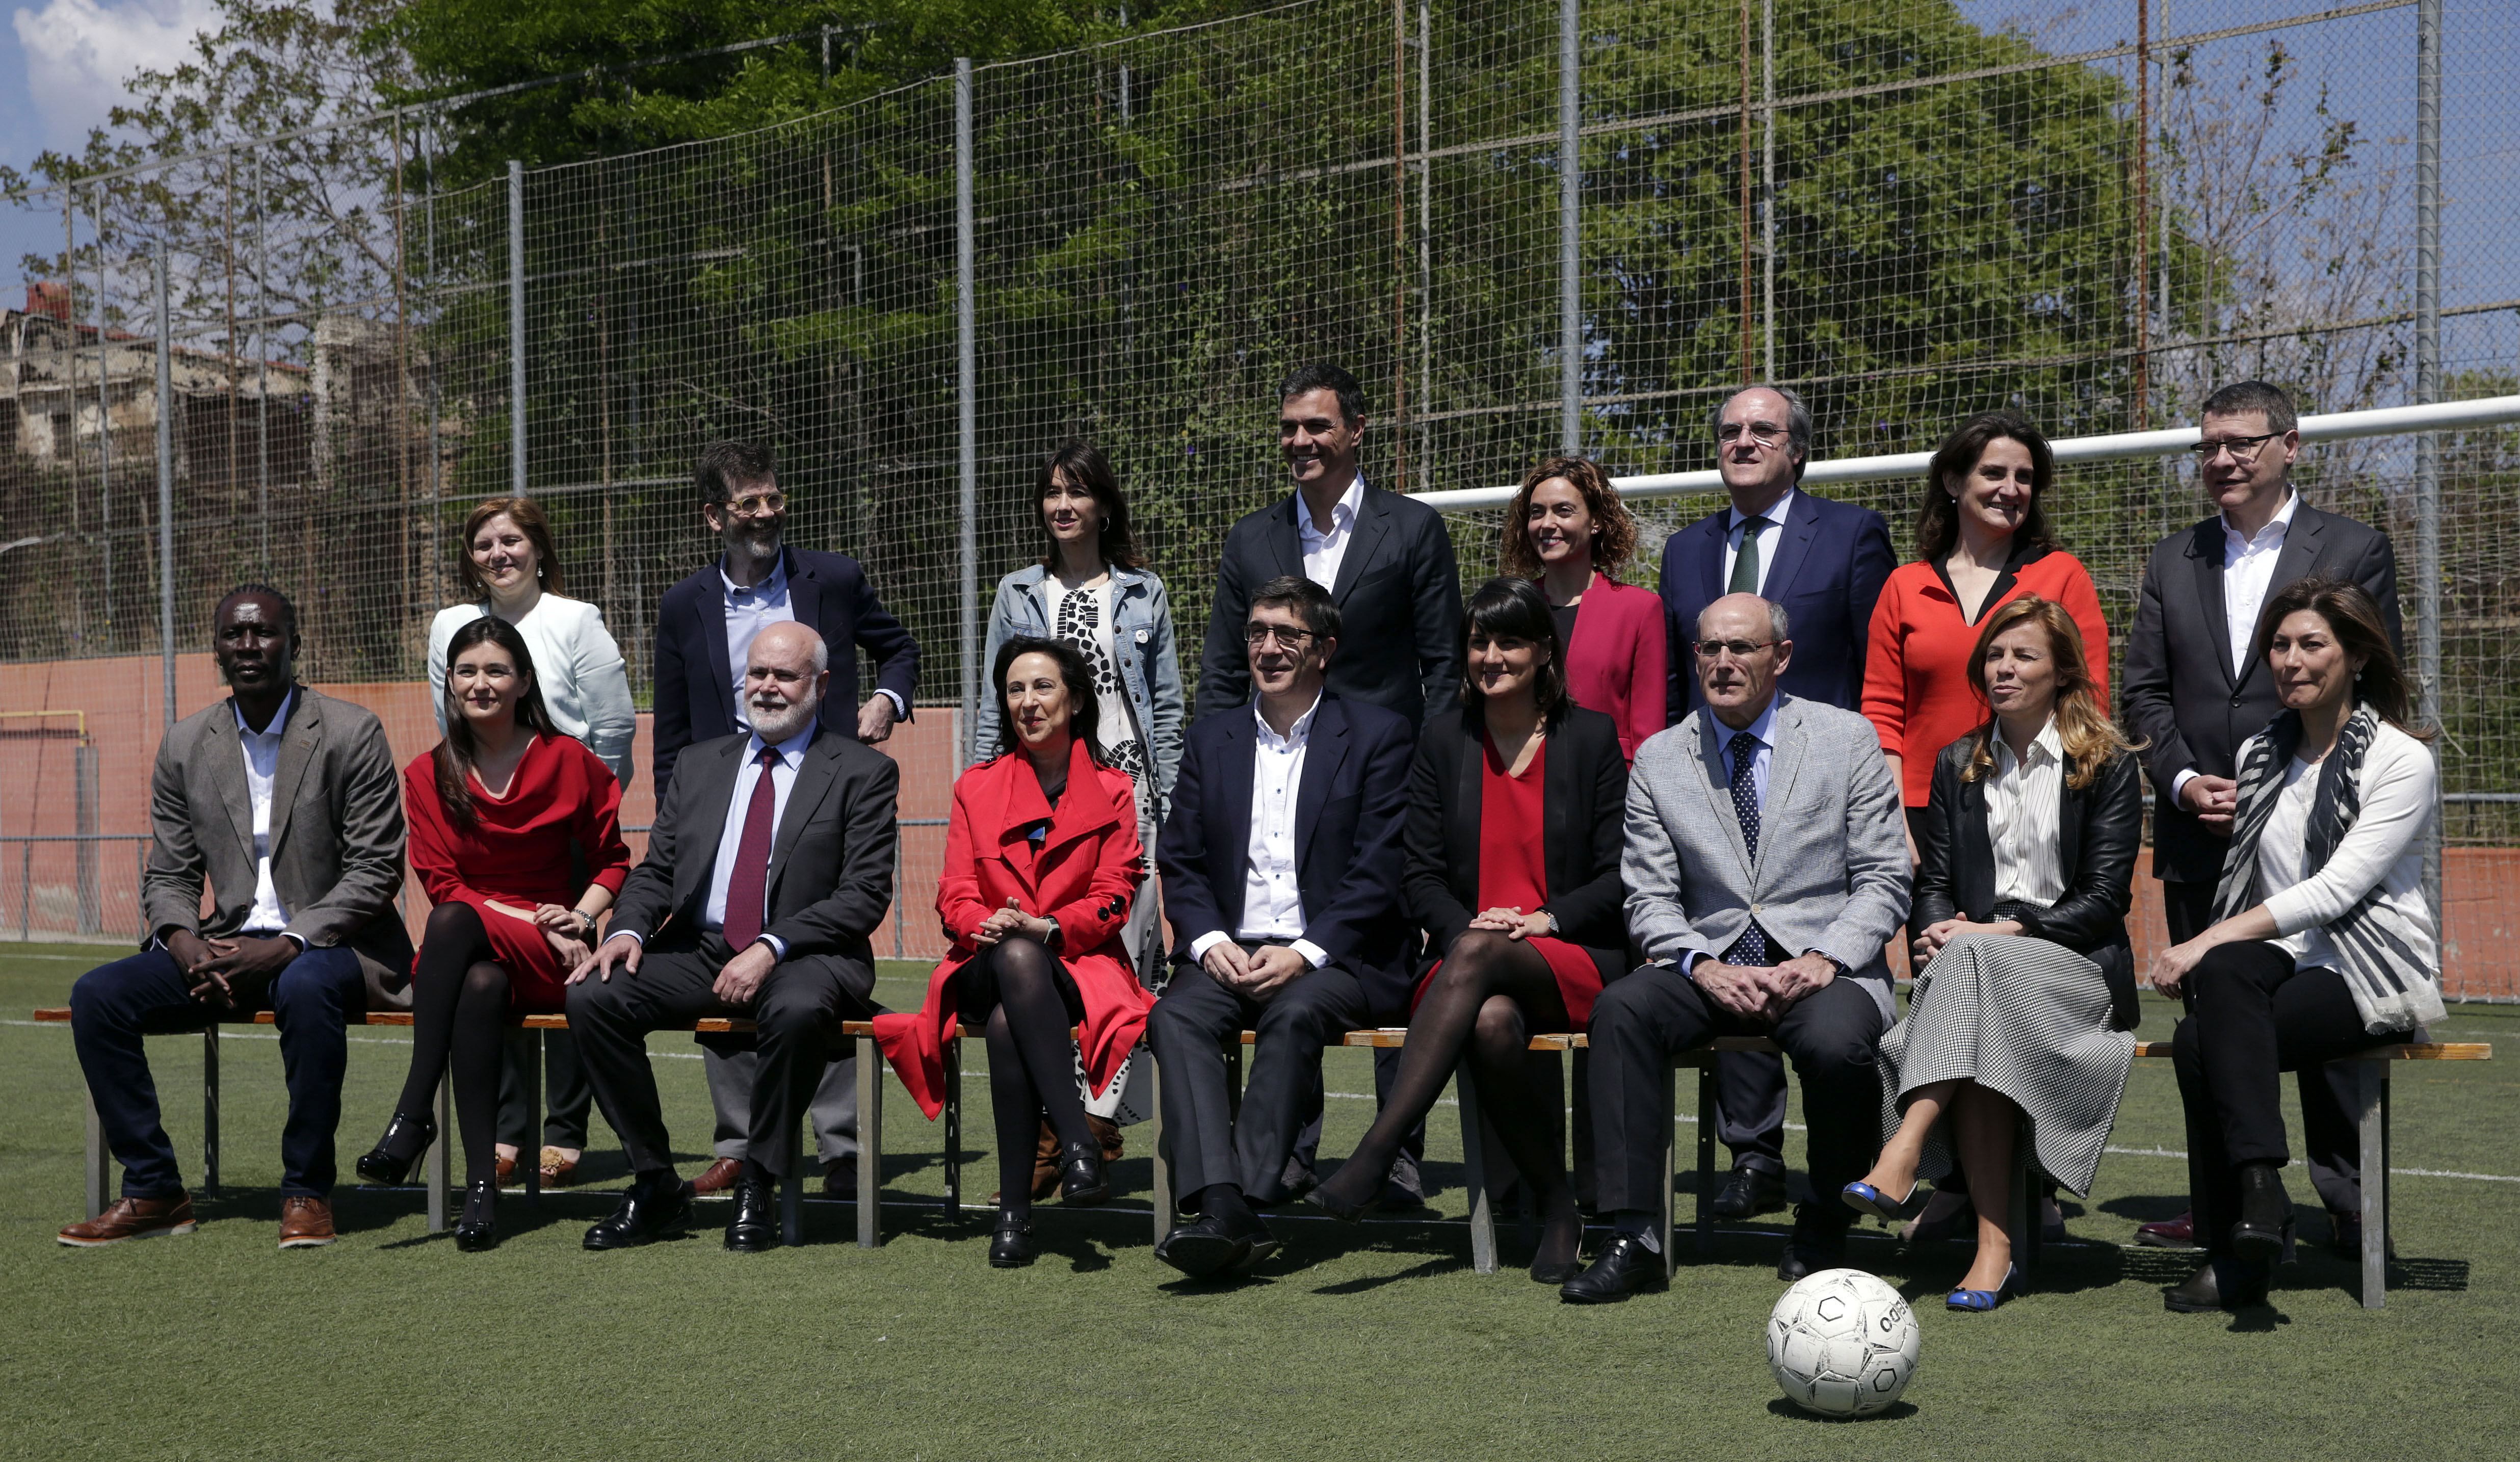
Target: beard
{"points": [[775, 725], [757, 540]]}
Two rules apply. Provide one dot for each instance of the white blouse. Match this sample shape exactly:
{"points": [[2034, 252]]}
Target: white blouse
{"points": [[2025, 809], [577, 667], [2383, 850]]}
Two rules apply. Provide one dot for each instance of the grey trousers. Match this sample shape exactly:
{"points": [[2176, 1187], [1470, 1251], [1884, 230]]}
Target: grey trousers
{"points": [[833, 1108]]}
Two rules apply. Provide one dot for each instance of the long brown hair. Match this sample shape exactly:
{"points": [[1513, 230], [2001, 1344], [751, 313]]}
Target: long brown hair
{"points": [[2355, 616], [1614, 528], [454, 756], [527, 514], [1938, 519], [2090, 738]]}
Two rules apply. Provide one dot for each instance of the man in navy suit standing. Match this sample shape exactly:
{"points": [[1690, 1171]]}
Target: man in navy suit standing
{"points": [[1824, 561], [705, 630]]}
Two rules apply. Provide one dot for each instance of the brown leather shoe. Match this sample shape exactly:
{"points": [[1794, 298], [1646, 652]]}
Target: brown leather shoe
{"points": [[132, 1219], [1108, 1132], [2169, 1233], [558, 1172], [1045, 1163], [719, 1178], [305, 1222], [503, 1172]]}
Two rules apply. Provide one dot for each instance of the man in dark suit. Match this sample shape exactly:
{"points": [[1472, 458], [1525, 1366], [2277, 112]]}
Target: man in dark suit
{"points": [[704, 628], [770, 865], [1281, 861], [1824, 561], [286, 802], [2194, 692]]}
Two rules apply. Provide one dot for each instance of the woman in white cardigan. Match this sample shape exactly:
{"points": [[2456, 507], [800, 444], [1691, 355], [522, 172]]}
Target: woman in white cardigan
{"points": [[2322, 944], [508, 565]]}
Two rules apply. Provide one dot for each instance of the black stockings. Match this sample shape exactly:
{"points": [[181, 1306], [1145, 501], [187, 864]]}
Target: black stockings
{"points": [[1032, 1061], [1482, 1005], [459, 1008]]}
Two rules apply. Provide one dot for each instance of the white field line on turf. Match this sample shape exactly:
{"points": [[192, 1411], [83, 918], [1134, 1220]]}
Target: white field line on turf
{"points": [[356, 1040]]}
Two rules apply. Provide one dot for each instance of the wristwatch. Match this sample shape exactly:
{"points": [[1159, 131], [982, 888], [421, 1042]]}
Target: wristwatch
{"points": [[1552, 916], [587, 920]]}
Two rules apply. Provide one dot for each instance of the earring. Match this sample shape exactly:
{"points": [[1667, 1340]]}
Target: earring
{"points": [[1106, 524]]}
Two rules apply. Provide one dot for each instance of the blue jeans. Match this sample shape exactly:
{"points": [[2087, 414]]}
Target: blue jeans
{"points": [[114, 1006]]}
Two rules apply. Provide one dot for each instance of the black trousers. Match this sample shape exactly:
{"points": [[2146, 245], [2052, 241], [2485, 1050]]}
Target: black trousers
{"points": [[2330, 1146], [797, 1008], [1642, 1022], [1189, 1029], [2253, 1017]]}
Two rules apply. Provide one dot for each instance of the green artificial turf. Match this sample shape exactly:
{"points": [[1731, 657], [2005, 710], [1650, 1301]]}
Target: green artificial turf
{"points": [[1378, 1343]]}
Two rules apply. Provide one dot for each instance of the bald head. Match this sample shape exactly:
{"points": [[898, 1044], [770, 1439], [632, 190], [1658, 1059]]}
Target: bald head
{"points": [[1739, 679], [786, 672]]}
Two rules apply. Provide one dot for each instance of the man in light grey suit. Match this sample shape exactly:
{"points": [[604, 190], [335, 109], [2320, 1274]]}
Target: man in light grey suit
{"points": [[286, 802], [1767, 868]]}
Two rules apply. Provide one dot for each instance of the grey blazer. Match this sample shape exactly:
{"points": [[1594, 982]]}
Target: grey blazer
{"points": [[1832, 873], [336, 834]]}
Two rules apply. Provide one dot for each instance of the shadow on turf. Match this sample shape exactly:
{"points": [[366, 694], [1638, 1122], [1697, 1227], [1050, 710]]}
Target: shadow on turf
{"points": [[1895, 1411]]}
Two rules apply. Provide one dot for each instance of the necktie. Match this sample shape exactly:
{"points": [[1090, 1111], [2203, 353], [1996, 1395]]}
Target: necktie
{"points": [[1752, 947], [747, 882], [1745, 564]]}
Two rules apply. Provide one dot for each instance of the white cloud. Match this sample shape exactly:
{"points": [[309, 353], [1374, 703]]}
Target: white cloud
{"points": [[78, 52]]}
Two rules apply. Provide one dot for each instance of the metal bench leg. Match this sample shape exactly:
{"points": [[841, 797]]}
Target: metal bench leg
{"points": [[953, 1124], [95, 1154], [530, 1157], [870, 1139], [210, 1111], [1162, 1198], [441, 1153], [2371, 1121], [1670, 1170], [1474, 1174], [1705, 1157], [791, 1186], [2021, 1220]]}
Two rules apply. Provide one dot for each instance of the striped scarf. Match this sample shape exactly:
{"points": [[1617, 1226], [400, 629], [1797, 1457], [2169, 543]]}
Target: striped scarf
{"points": [[2392, 983]]}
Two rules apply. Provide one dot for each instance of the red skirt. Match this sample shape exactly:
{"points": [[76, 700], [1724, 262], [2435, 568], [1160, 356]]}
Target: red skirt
{"points": [[1579, 980], [537, 981]]}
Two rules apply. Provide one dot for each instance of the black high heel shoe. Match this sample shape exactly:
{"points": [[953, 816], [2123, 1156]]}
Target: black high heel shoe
{"points": [[2264, 1233], [390, 1161], [1011, 1242], [1082, 1181], [479, 1228]]}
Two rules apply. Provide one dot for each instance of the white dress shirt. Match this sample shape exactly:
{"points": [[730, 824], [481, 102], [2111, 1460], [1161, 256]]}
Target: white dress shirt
{"points": [[2025, 809], [2248, 572], [1324, 548], [1769, 537], [262, 761], [1273, 902], [748, 611]]}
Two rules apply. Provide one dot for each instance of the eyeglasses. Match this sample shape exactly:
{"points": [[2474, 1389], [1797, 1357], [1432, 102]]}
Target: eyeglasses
{"points": [[1737, 649], [2244, 450], [1257, 635], [1765, 433], [750, 503]]}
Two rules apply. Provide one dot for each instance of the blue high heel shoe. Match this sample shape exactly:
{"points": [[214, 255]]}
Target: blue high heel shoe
{"points": [[1986, 1300], [1863, 1198]]}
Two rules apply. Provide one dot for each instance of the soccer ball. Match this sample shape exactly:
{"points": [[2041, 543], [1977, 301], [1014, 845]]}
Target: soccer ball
{"points": [[1842, 1343]]}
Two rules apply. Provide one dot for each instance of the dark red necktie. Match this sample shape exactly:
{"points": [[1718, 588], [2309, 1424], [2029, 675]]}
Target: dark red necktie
{"points": [[748, 881]]}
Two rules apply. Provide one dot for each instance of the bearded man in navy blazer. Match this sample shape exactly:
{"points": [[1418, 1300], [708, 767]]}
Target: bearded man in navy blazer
{"points": [[1280, 862], [1825, 563]]}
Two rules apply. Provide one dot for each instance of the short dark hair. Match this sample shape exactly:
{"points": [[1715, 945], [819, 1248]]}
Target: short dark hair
{"points": [[1513, 607], [726, 461], [1085, 465], [287, 611], [1798, 421], [1320, 375], [2253, 395], [1084, 707], [1311, 602], [1938, 521]]}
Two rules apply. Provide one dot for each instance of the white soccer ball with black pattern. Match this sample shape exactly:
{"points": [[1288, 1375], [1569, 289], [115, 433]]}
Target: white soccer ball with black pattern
{"points": [[1842, 1343]]}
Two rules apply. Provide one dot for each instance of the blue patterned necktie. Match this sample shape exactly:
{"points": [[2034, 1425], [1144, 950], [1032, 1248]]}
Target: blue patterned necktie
{"points": [[1752, 947]]}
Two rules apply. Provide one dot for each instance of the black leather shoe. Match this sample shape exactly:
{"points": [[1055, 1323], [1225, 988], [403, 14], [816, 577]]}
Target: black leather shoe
{"points": [[479, 1228], [1819, 1243], [406, 1140], [2219, 1284], [1748, 1193], [654, 1206], [1405, 1190], [2263, 1232], [1082, 1181], [755, 1226], [1624, 1267], [1210, 1245], [1011, 1246]]}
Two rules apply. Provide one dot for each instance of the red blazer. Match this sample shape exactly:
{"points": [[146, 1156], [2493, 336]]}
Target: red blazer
{"points": [[1083, 878], [1916, 691], [1619, 658]]}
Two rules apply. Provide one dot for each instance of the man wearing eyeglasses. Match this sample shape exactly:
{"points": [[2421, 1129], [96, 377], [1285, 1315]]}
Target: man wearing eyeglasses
{"points": [[1824, 561], [704, 631], [2194, 694]]}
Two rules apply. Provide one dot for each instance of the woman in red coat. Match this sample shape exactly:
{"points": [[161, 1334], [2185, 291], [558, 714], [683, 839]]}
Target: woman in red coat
{"points": [[496, 809], [1568, 529], [1041, 860]]}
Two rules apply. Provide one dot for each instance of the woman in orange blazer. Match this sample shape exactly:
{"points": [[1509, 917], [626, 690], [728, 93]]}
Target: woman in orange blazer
{"points": [[1041, 860], [1568, 531]]}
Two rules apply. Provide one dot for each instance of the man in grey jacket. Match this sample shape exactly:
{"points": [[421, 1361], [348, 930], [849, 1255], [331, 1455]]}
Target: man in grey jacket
{"points": [[1767, 868], [286, 802]]}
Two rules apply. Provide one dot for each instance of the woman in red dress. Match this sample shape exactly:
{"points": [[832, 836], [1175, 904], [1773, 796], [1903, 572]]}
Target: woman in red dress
{"points": [[1041, 860], [1516, 810], [495, 810]]}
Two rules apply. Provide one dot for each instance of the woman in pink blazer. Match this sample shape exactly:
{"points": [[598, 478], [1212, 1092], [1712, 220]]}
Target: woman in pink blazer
{"points": [[1568, 529]]}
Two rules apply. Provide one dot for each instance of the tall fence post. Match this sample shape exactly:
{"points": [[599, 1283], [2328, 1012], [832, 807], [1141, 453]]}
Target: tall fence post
{"points": [[166, 488], [967, 419], [1571, 227], [2428, 561], [1768, 190], [516, 327], [103, 411], [91, 899]]}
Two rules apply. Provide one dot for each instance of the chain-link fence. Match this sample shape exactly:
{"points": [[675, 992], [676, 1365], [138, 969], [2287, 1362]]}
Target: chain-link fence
{"points": [[1909, 210]]}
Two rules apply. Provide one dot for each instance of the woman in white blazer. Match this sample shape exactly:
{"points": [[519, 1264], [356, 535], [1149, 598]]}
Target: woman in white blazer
{"points": [[508, 564]]}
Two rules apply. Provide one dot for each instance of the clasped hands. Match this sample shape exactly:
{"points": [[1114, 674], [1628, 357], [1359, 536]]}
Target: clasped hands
{"points": [[212, 966], [1260, 974], [1763, 992], [1514, 922], [1930, 942]]}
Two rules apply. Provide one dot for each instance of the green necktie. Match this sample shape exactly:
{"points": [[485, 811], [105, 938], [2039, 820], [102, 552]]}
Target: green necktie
{"points": [[1745, 564]]}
